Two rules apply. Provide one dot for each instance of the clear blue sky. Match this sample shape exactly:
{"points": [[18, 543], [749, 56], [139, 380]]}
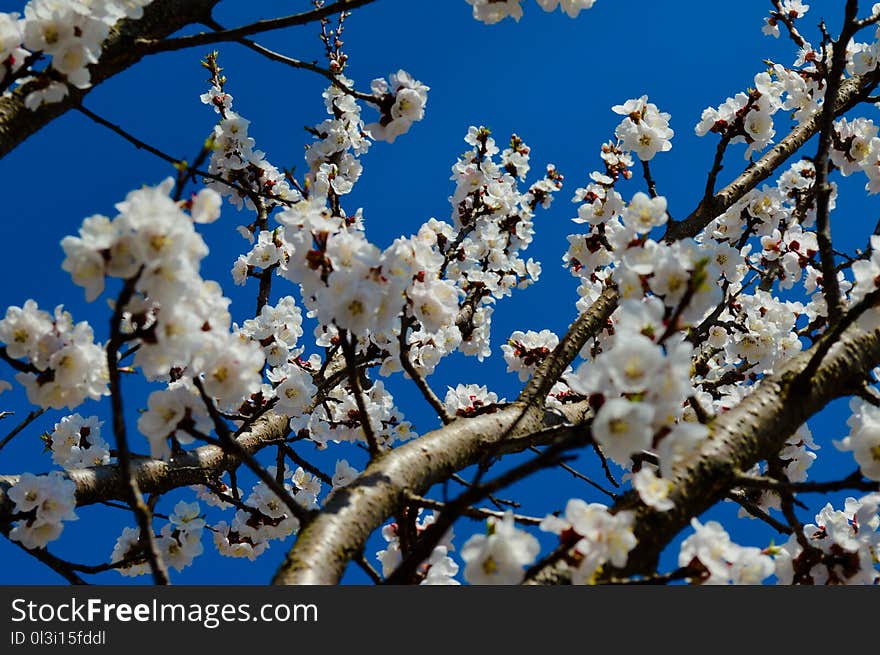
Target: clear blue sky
{"points": [[548, 78]]}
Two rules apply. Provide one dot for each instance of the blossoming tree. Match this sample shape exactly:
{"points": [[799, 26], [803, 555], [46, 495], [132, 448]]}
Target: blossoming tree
{"points": [[702, 343]]}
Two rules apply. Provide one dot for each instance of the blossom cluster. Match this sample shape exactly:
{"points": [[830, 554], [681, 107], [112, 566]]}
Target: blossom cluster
{"points": [[493, 11], [617, 246], [748, 116], [767, 232], [795, 460], [265, 517], [180, 321], [438, 569], [596, 535], [46, 501], [637, 372], [168, 412], [339, 419], [644, 385], [240, 172], [863, 439], [76, 442], [277, 329], [524, 351], [469, 399], [644, 130], [500, 555], [179, 542], [64, 364], [791, 9], [718, 560], [422, 284], [402, 101], [493, 224], [848, 545], [70, 32], [339, 141]]}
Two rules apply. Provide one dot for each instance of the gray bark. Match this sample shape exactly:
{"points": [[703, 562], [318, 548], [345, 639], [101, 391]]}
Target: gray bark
{"points": [[153, 476], [161, 19]]}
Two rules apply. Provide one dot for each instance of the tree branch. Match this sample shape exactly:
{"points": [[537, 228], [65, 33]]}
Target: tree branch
{"points": [[830, 286], [852, 91], [161, 18], [199, 466], [352, 513], [206, 38]]}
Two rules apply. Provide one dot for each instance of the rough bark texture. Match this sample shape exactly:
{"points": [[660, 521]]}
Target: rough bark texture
{"points": [[155, 476], [161, 18], [324, 548]]}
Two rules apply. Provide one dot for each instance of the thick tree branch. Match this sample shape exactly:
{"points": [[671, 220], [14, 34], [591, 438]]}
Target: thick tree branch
{"points": [[564, 438], [851, 92], [199, 466], [352, 513], [161, 19]]}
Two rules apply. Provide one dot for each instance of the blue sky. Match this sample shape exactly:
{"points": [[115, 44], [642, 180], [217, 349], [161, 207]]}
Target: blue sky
{"points": [[550, 79]]}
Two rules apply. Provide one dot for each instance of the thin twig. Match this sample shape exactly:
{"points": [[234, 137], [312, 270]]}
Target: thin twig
{"points": [[580, 476], [717, 166], [348, 350], [306, 465], [783, 17], [823, 189], [299, 64], [476, 513], [755, 510], [367, 568], [30, 418], [21, 367], [854, 480], [495, 500], [206, 38], [598, 450], [227, 442], [649, 180], [177, 163], [59, 566]]}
